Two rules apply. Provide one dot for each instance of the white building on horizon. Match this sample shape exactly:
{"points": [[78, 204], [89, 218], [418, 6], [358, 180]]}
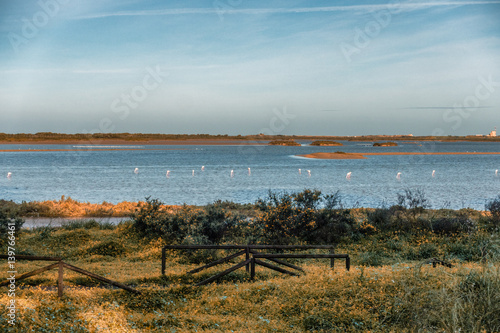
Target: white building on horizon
{"points": [[493, 133]]}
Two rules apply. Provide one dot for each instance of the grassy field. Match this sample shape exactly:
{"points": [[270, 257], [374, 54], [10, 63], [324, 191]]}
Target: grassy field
{"points": [[391, 286]]}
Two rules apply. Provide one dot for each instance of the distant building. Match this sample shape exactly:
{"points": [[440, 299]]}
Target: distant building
{"points": [[493, 133]]}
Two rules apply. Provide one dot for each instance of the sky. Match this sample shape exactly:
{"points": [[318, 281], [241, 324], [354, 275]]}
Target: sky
{"points": [[250, 66]]}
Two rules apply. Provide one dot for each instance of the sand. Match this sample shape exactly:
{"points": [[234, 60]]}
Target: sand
{"points": [[334, 156]]}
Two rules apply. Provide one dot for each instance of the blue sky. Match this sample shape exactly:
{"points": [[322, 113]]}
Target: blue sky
{"points": [[232, 66]]}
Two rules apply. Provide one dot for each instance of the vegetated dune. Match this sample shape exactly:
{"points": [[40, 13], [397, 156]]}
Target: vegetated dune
{"points": [[67, 207], [325, 143], [385, 144], [338, 155], [284, 143]]}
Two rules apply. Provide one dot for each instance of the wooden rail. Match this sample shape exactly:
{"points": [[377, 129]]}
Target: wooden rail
{"points": [[252, 257], [60, 265]]}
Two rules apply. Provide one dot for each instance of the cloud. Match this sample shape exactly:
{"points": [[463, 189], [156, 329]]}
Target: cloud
{"points": [[444, 107], [409, 6]]}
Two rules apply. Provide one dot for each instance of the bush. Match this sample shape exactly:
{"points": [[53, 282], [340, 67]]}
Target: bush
{"points": [[381, 218], [108, 248], [307, 216], [424, 251], [201, 226], [493, 207], [452, 225], [413, 200]]}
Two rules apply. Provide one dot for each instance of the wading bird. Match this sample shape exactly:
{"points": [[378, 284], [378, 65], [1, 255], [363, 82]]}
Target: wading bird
{"points": [[9, 175], [168, 173], [309, 173], [249, 172], [193, 173], [348, 176], [496, 172], [433, 173], [136, 170], [300, 171], [398, 176], [232, 173], [202, 168]]}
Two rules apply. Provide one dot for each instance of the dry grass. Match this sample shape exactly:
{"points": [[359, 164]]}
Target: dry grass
{"points": [[397, 294], [67, 207]]}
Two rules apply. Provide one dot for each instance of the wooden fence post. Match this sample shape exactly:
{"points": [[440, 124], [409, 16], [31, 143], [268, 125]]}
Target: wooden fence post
{"points": [[163, 260], [247, 256], [332, 260], [252, 269], [60, 280]]}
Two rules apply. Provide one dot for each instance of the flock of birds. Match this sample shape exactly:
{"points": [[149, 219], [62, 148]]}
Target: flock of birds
{"points": [[348, 176]]}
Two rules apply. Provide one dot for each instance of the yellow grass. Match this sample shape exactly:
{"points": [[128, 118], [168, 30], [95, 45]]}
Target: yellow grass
{"points": [[67, 207]]}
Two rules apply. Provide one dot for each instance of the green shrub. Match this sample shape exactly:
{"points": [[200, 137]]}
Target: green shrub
{"points": [[108, 248], [424, 251], [307, 216], [204, 226], [493, 207], [315, 323], [381, 218], [413, 201], [452, 225], [89, 224]]}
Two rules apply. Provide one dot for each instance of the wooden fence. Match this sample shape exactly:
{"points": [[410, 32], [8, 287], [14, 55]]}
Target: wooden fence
{"points": [[60, 264], [253, 257]]}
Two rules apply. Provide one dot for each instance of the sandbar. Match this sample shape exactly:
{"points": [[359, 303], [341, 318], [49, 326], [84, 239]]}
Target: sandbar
{"points": [[335, 156], [341, 156]]}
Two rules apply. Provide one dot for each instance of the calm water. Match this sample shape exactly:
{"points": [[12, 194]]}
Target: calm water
{"points": [[96, 176]]}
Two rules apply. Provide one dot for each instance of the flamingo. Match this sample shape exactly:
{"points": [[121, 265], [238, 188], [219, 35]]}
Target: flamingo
{"points": [[136, 170], [348, 176], [193, 173], [249, 172], [232, 173], [168, 173], [202, 168], [398, 176], [496, 172], [9, 175], [300, 171], [433, 173], [309, 173]]}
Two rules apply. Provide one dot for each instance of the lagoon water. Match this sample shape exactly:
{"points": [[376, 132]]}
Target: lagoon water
{"points": [[95, 175]]}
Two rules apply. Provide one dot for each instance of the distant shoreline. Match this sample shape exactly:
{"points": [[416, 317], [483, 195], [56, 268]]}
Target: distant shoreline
{"points": [[49, 138], [180, 142]]}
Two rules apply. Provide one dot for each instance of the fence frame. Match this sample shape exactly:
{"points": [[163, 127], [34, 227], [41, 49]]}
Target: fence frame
{"points": [[252, 257], [60, 265]]}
